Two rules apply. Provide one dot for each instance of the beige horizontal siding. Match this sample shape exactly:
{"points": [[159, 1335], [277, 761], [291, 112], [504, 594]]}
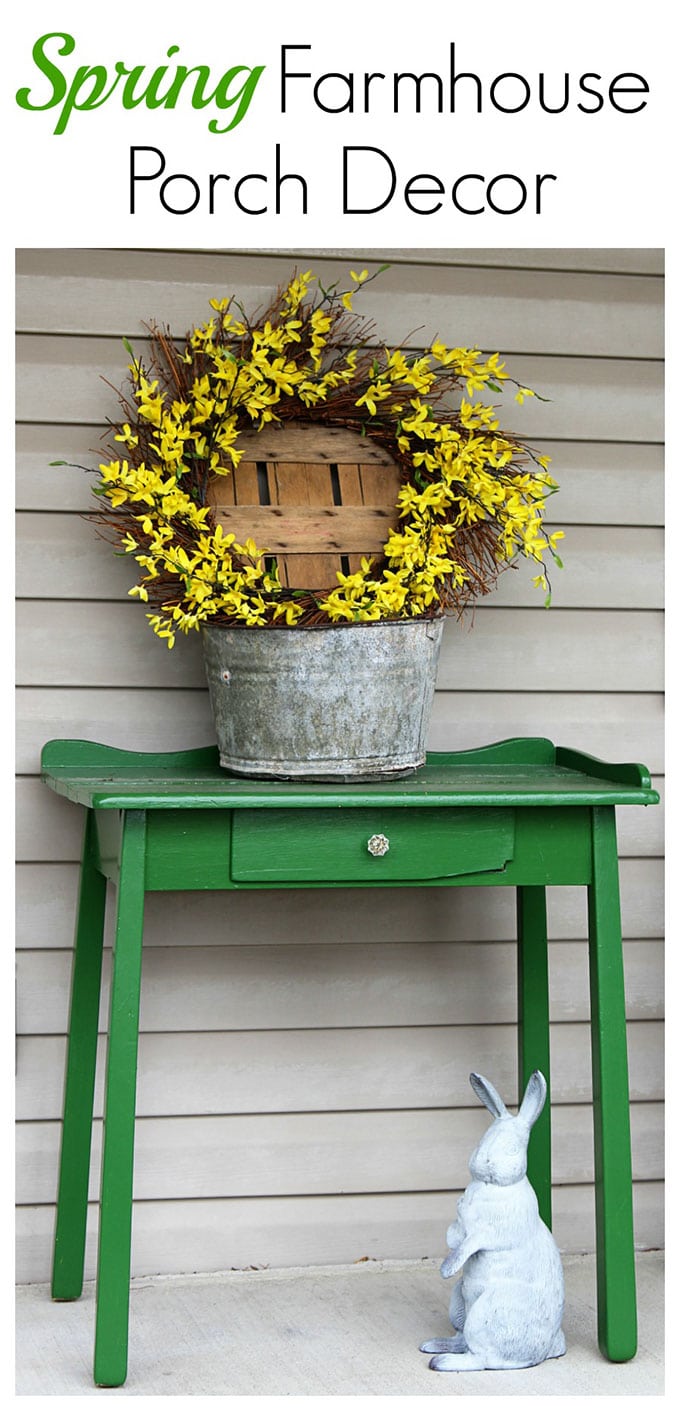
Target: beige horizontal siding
{"points": [[284, 986], [303, 1066], [109, 292], [288, 1154], [243, 1234], [46, 894], [622, 261], [182, 719], [530, 649], [326, 1070]]}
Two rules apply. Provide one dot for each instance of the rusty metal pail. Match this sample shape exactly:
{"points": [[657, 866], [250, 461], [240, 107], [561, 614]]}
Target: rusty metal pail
{"points": [[323, 703]]}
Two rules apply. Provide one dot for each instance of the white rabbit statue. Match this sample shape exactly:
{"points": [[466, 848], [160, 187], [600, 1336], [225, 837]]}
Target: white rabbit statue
{"points": [[507, 1307]]}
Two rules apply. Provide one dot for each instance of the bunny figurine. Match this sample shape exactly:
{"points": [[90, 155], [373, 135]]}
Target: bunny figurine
{"points": [[507, 1307]]}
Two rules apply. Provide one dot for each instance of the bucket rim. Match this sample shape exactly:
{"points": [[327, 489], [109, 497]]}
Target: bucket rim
{"points": [[324, 626]]}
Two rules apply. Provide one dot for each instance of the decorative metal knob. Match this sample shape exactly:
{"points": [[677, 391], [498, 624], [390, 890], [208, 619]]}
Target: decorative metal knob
{"points": [[378, 845]]}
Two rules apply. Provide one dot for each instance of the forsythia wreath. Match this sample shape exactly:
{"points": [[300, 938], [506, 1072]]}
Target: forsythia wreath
{"points": [[471, 498]]}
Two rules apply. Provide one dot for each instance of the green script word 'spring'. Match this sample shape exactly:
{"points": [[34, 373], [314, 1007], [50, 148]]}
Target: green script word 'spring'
{"points": [[92, 86]]}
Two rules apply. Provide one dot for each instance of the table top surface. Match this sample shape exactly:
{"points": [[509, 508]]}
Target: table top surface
{"points": [[519, 772]]}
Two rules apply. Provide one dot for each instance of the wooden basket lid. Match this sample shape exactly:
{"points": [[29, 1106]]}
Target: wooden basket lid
{"points": [[315, 498]]}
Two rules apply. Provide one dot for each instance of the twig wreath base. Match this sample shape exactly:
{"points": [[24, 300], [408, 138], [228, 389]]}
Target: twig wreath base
{"points": [[471, 497]]}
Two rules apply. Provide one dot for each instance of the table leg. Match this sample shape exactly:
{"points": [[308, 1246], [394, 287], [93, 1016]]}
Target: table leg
{"points": [[533, 1030], [115, 1211], [617, 1319], [76, 1139]]}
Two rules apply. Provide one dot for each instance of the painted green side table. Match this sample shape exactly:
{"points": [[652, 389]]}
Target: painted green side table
{"points": [[522, 813]]}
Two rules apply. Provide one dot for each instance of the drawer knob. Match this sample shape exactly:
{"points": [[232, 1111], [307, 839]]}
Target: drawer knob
{"points": [[378, 845]]}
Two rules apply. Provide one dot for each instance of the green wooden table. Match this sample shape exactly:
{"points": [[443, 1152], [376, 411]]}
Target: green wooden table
{"points": [[523, 813]]}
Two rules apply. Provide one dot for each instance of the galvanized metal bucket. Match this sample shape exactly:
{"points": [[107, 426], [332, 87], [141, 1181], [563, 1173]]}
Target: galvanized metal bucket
{"points": [[337, 703]]}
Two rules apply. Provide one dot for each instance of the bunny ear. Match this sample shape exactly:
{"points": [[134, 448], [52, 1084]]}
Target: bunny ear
{"points": [[534, 1098], [487, 1094]]}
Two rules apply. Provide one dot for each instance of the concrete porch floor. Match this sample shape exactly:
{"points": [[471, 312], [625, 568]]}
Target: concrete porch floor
{"points": [[344, 1330]]}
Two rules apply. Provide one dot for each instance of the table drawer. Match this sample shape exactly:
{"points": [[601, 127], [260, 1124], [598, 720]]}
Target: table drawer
{"points": [[369, 844]]}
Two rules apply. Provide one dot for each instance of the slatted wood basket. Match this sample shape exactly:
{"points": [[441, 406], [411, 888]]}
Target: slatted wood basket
{"points": [[316, 498]]}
